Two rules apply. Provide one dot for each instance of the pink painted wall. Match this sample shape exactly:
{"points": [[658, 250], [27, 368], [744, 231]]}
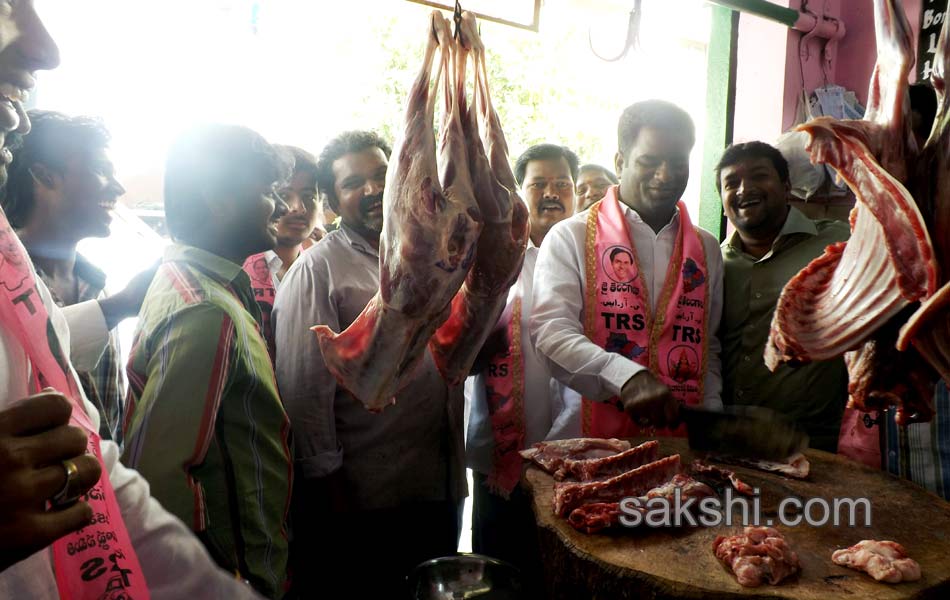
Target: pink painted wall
{"points": [[770, 72], [760, 79]]}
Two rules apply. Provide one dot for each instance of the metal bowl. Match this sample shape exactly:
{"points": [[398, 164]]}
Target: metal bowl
{"points": [[465, 576]]}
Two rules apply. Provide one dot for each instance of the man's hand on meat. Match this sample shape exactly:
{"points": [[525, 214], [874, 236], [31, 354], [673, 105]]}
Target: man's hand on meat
{"points": [[648, 402], [36, 443]]}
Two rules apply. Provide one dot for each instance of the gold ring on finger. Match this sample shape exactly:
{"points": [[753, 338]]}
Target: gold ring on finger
{"points": [[66, 495]]}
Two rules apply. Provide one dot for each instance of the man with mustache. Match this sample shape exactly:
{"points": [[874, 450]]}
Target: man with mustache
{"points": [[207, 428], [294, 229], [57, 476], [394, 480], [592, 184], [674, 299], [773, 241], [507, 415], [61, 190]]}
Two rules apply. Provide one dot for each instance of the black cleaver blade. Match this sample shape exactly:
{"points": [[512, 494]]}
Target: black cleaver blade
{"points": [[743, 431]]}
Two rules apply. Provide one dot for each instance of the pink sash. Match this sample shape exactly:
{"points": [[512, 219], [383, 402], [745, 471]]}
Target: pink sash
{"points": [[263, 287], [98, 560], [504, 387], [673, 344]]}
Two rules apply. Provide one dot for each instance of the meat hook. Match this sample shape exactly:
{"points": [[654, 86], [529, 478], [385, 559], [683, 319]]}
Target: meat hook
{"points": [[457, 17], [633, 34]]}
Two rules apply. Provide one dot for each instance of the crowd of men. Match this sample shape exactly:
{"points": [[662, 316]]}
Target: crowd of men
{"points": [[224, 460]]}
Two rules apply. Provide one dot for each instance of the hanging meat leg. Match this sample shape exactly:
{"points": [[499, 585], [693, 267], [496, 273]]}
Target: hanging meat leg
{"points": [[427, 244], [501, 244]]}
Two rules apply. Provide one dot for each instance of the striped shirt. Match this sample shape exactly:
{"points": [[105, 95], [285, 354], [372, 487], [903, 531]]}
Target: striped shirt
{"points": [[921, 451], [206, 427], [104, 385]]}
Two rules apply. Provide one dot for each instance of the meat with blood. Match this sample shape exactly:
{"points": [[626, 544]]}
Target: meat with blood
{"points": [[717, 477], [883, 560], [881, 376], [759, 555], [427, 244], [796, 466], [592, 518], [501, 244], [845, 295], [596, 469], [568, 496], [550, 456], [851, 298]]}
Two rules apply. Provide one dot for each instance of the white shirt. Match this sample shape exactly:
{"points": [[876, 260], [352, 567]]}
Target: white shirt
{"points": [[274, 264], [175, 563], [413, 451], [551, 410], [558, 314], [87, 332]]}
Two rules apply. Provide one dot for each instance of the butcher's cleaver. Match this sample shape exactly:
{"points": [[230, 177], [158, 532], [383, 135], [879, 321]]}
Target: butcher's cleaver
{"points": [[743, 431]]}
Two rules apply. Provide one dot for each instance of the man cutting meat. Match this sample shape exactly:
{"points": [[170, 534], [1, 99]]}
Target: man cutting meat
{"points": [[644, 345], [772, 242], [374, 491]]}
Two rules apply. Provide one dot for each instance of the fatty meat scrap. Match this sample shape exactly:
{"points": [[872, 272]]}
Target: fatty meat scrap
{"points": [[883, 560], [856, 297], [439, 200], [759, 555]]}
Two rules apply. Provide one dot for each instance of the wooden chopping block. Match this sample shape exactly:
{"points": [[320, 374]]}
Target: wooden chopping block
{"points": [[679, 563]]}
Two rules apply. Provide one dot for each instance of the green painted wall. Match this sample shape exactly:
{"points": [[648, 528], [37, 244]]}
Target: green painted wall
{"points": [[720, 109]]}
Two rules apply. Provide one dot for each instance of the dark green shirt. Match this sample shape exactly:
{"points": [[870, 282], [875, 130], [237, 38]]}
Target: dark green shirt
{"points": [[814, 394]]}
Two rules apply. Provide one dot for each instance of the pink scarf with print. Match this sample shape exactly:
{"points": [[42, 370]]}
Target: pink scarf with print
{"points": [[98, 560], [263, 287], [504, 389], [618, 317]]}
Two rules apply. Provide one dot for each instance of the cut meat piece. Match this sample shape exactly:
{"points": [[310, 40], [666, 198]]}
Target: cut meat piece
{"points": [[883, 560], [842, 300], [568, 496], [760, 555], [880, 376], [551, 455], [845, 295], [591, 518], [596, 469], [717, 477], [427, 243], [504, 236], [796, 466]]}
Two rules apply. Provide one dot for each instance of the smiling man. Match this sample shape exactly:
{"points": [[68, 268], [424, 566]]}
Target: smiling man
{"points": [[546, 174], [773, 241], [48, 439], [61, 190], [207, 427], [397, 478], [617, 344], [593, 181], [267, 269]]}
